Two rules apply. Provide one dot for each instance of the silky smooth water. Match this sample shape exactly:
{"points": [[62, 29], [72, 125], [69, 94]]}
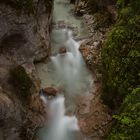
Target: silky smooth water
{"points": [[69, 68], [60, 127], [66, 71]]}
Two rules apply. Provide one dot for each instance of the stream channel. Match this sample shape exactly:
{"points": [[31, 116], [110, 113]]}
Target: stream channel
{"points": [[65, 70]]}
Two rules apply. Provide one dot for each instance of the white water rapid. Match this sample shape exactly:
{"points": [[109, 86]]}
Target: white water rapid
{"points": [[69, 67], [73, 77], [61, 127]]}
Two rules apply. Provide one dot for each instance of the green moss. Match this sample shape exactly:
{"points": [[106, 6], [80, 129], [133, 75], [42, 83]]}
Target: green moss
{"points": [[120, 56], [21, 81]]}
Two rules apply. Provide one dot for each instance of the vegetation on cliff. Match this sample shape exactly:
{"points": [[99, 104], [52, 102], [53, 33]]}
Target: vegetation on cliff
{"points": [[127, 126], [121, 71], [21, 81]]}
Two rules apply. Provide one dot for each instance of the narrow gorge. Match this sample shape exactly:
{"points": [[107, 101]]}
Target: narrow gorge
{"points": [[69, 70]]}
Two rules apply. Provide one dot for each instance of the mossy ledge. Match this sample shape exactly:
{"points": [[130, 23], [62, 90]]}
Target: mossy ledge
{"points": [[21, 82]]}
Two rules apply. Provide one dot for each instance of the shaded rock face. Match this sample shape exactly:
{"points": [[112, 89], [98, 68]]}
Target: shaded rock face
{"points": [[24, 39], [24, 36], [10, 118]]}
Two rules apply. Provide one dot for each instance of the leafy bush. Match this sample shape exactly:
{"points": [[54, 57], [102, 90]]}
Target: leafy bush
{"points": [[121, 71], [128, 121], [120, 57]]}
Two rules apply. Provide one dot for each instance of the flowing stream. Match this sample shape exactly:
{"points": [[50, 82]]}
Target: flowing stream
{"points": [[66, 70]]}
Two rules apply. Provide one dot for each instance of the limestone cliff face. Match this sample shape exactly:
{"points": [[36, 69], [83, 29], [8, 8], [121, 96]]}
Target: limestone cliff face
{"points": [[24, 39]]}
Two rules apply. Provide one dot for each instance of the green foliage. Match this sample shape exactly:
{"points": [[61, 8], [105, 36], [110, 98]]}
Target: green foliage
{"points": [[121, 71], [128, 121], [120, 57], [21, 81]]}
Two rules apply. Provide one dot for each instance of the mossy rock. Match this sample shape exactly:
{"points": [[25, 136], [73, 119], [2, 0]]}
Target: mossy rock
{"points": [[21, 81], [121, 55]]}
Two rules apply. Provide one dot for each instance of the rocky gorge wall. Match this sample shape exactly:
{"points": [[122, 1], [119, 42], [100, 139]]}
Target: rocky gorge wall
{"points": [[95, 119], [24, 39]]}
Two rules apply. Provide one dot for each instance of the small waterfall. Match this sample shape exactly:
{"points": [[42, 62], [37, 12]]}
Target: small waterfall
{"points": [[70, 68], [61, 127]]}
